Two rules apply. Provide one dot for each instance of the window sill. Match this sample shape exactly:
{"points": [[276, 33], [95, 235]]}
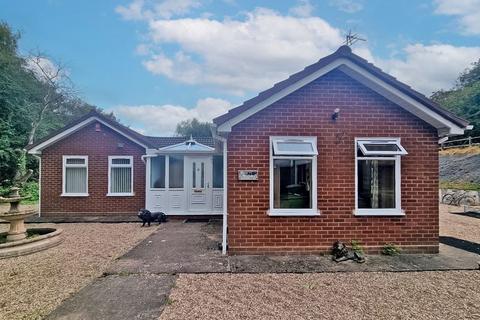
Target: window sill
{"points": [[120, 194], [294, 213], [74, 195], [379, 212]]}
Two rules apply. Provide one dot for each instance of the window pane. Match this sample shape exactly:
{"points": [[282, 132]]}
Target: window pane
{"points": [[292, 183], [218, 171], [121, 180], [75, 180], [292, 146], [157, 172], [202, 176], [381, 147], [121, 161], [194, 177], [376, 184], [75, 161], [176, 172]]}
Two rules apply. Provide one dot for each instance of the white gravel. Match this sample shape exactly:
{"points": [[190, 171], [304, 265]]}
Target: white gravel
{"points": [[32, 286]]}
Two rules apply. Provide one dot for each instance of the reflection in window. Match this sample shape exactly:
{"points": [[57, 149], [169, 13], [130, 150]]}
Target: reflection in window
{"points": [[376, 184], [157, 172], [175, 171], [292, 186], [218, 171]]}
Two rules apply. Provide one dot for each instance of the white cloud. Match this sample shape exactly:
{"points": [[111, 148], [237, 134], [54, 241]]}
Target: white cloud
{"points": [[162, 119], [467, 11], [151, 9], [349, 6], [44, 68], [241, 55], [428, 68], [303, 9]]}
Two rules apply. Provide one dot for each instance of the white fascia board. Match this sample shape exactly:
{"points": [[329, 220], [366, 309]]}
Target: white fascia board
{"points": [[403, 100], [38, 149], [445, 126]]}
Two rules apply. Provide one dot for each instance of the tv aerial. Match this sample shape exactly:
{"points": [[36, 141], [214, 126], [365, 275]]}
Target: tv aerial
{"points": [[351, 38]]}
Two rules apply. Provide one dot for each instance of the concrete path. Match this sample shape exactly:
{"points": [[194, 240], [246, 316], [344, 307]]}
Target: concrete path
{"points": [[140, 296], [136, 285], [176, 247]]}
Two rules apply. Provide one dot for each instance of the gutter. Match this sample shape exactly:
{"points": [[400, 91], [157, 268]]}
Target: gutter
{"points": [[225, 191]]}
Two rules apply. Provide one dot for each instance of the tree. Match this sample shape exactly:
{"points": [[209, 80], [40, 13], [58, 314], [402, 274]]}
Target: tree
{"points": [[36, 97], [464, 98], [194, 128]]}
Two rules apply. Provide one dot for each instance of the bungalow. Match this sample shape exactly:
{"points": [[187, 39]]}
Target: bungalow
{"points": [[338, 151]]}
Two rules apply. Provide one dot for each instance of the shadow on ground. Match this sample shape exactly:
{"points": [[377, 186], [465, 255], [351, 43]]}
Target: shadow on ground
{"points": [[461, 244]]}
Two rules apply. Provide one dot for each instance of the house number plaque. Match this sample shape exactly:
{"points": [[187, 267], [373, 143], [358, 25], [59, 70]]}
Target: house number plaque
{"points": [[248, 175]]}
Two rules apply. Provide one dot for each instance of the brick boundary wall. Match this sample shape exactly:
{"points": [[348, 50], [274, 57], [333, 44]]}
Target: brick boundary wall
{"points": [[307, 112], [97, 146]]}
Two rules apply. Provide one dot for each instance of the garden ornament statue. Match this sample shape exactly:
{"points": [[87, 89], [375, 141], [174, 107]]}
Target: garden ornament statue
{"points": [[340, 253]]}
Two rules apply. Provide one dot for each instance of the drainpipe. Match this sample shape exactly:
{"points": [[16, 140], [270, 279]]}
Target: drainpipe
{"points": [[225, 176], [39, 185]]}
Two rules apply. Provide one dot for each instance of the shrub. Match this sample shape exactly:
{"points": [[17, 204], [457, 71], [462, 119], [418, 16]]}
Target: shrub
{"points": [[389, 249], [30, 190], [356, 247]]}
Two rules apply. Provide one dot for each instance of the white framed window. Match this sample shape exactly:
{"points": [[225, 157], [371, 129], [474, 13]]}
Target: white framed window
{"points": [[75, 176], [378, 176], [120, 176], [293, 176]]}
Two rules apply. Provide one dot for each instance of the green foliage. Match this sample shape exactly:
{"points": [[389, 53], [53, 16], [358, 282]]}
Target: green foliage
{"points": [[22, 101], [460, 185], [30, 190], [389, 249], [464, 98], [194, 128], [356, 246]]}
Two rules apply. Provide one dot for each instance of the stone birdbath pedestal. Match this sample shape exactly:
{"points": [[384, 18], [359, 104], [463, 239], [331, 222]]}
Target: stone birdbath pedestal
{"points": [[15, 216]]}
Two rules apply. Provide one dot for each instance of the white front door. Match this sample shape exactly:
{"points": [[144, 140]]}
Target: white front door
{"points": [[199, 186]]}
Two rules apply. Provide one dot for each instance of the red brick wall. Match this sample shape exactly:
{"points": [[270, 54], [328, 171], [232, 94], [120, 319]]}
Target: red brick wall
{"points": [[97, 146], [307, 112]]}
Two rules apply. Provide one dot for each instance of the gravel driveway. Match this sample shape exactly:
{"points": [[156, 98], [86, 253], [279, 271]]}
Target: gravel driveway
{"points": [[376, 295], [31, 286]]}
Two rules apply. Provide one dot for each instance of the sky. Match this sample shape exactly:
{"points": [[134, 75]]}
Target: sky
{"points": [[157, 62]]}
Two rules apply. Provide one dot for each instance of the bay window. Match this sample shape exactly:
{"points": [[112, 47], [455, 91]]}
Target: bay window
{"points": [[293, 176], [120, 176], [377, 176], [75, 176]]}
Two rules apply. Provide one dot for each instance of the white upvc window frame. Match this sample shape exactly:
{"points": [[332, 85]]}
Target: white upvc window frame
{"points": [[64, 170], [397, 211], [370, 141], [110, 166], [309, 140], [292, 212]]}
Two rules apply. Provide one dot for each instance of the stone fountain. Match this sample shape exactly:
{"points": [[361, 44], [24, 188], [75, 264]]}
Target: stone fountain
{"points": [[17, 241], [15, 216]]}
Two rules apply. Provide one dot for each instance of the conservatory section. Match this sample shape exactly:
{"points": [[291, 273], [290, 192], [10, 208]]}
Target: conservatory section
{"points": [[185, 184]]}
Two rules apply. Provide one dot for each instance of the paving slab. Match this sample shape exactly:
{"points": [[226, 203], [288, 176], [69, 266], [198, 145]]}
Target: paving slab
{"points": [[176, 247], [118, 297], [449, 258]]}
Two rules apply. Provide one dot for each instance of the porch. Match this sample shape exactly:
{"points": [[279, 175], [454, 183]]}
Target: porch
{"points": [[185, 179]]}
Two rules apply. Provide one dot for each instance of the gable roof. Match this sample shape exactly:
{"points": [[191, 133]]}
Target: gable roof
{"points": [[360, 69], [141, 140]]}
